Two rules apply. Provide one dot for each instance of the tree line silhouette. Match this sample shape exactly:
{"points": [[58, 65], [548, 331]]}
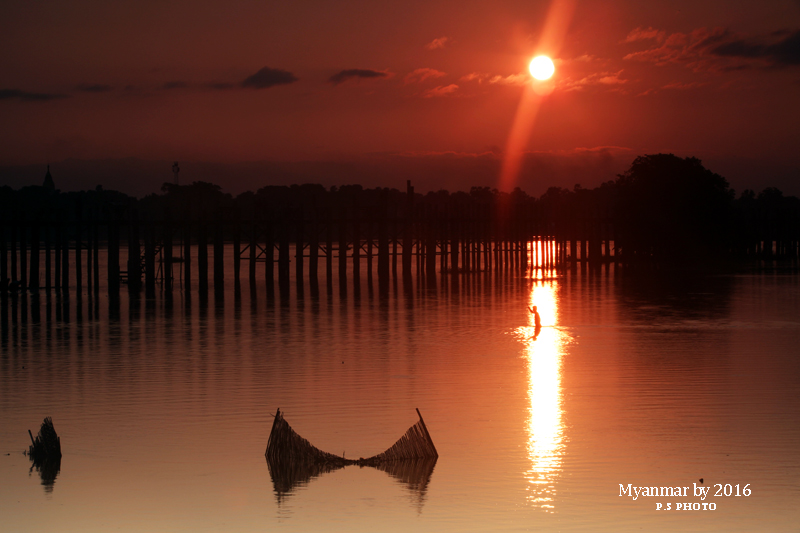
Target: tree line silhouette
{"points": [[663, 208]]}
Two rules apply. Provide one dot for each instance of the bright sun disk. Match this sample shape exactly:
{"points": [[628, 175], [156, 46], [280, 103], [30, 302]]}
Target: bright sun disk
{"points": [[542, 67]]}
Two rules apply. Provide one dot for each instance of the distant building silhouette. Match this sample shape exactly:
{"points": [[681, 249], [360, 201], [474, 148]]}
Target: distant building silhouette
{"points": [[48, 184]]}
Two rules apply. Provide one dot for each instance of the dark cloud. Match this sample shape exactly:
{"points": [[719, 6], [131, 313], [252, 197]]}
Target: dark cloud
{"points": [[221, 86], [784, 52], [269, 77], [175, 85], [95, 88], [345, 75], [25, 96], [721, 50]]}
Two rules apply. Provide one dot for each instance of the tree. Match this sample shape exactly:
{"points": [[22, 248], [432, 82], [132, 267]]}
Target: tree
{"points": [[671, 208]]}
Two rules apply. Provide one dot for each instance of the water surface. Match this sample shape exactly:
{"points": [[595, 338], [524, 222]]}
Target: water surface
{"points": [[164, 407]]}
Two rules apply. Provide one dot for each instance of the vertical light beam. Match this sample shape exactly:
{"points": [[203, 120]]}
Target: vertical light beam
{"points": [[553, 33]]}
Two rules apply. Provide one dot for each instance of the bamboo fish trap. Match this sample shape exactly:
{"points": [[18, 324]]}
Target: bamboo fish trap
{"points": [[286, 450]]}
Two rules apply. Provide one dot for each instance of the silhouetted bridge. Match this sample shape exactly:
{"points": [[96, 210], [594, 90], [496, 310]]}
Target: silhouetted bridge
{"points": [[335, 241]]}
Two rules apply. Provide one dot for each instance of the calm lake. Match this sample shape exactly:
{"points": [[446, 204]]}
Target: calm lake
{"points": [[164, 407]]}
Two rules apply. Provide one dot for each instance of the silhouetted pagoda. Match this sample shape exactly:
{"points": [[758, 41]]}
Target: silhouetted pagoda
{"points": [[49, 185]]}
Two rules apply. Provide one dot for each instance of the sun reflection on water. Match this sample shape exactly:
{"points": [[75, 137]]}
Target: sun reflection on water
{"points": [[545, 428]]}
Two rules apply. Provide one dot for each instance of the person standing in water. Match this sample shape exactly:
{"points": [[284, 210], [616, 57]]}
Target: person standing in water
{"points": [[537, 321]]}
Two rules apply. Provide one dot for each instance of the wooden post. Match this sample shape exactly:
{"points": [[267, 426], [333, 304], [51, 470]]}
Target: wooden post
{"points": [[394, 250], [313, 247], [78, 259], [594, 247], [342, 250], [57, 243], [150, 261], [134, 255], [113, 254], [368, 241], [96, 253], [443, 240], [34, 277], [252, 266], [3, 250], [167, 251], [407, 230], [420, 254], [283, 253], [237, 254], [47, 259], [14, 228], [269, 255], [356, 213], [430, 248], [89, 230], [329, 247], [187, 254], [219, 255], [455, 241], [484, 254], [383, 244], [202, 257], [395, 237], [299, 248], [64, 256], [548, 252], [23, 251], [466, 256]]}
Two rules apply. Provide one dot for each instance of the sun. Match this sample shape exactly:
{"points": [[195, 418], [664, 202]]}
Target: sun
{"points": [[542, 67]]}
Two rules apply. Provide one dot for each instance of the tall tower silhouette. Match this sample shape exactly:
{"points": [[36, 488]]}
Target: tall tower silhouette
{"points": [[49, 184]]}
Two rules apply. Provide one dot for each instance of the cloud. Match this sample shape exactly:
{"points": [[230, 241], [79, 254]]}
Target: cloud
{"points": [[689, 49], [422, 74], [607, 79], [442, 90], [783, 52], [95, 88], [268, 77], [221, 86], [344, 75], [437, 43], [474, 76], [612, 79], [175, 85], [721, 50], [676, 85], [512, 79], [25, 96], [598, 150], [640, 34]]}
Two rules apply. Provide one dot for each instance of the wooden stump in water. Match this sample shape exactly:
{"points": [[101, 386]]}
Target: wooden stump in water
{"points": [[47, 444], [45, 452]]}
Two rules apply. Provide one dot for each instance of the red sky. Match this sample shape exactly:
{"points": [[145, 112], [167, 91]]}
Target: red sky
{"points": [[401, 84]]}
